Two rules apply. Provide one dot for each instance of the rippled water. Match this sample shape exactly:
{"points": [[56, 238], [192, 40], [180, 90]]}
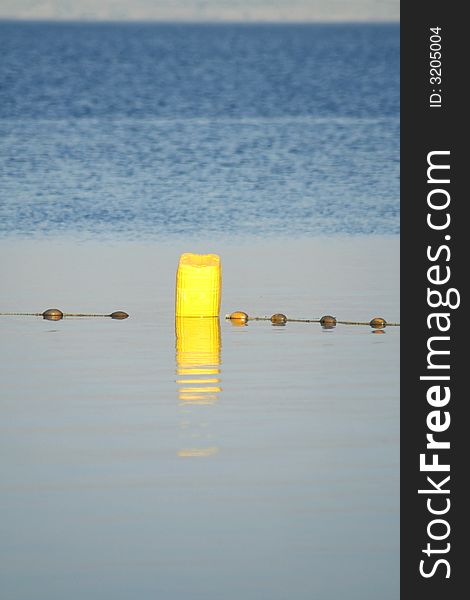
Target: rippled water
{"points": [[143, 132], [138, 70], [147, 179]]}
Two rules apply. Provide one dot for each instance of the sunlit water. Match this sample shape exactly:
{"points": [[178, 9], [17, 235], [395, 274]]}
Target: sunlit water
{"points": [[151, 459]]}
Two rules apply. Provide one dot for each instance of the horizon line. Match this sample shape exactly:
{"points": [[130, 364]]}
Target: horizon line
{"points": [[200, 21]]}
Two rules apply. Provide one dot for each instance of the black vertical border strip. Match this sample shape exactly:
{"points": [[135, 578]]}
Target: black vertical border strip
{"points": [[425, 129]]}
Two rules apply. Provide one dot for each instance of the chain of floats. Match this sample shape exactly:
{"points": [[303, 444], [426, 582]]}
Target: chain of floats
{"points": [[238, 318], [241, 318], [54, 314]]}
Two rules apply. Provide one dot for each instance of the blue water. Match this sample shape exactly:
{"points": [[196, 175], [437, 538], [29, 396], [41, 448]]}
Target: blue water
{"points": [[150, 131], [276, 147]]}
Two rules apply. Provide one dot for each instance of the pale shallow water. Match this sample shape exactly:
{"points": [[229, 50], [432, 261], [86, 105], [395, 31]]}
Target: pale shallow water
{"points": [[283, 484]]}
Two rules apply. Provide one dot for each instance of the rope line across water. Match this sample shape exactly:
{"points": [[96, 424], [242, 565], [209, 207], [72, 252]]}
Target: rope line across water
{"points": [[54, 314], [280, 319]]}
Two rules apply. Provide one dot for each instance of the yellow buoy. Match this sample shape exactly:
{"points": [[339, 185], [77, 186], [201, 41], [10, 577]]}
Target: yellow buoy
{"points": [[198, 285], [278, 319]]}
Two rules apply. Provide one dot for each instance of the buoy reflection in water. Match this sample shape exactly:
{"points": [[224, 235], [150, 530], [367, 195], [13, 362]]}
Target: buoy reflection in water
{"points": [[198, 379]]}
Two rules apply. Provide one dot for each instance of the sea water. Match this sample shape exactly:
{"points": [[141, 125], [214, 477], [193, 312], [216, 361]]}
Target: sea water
{"points": [[123, 146]]}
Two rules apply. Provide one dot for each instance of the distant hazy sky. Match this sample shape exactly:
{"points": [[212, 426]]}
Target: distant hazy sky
{"points": [[203, 10]]}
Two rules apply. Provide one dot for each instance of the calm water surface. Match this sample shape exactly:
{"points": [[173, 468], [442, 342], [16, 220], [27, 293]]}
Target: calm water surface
{"points": [[278, 479]]}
